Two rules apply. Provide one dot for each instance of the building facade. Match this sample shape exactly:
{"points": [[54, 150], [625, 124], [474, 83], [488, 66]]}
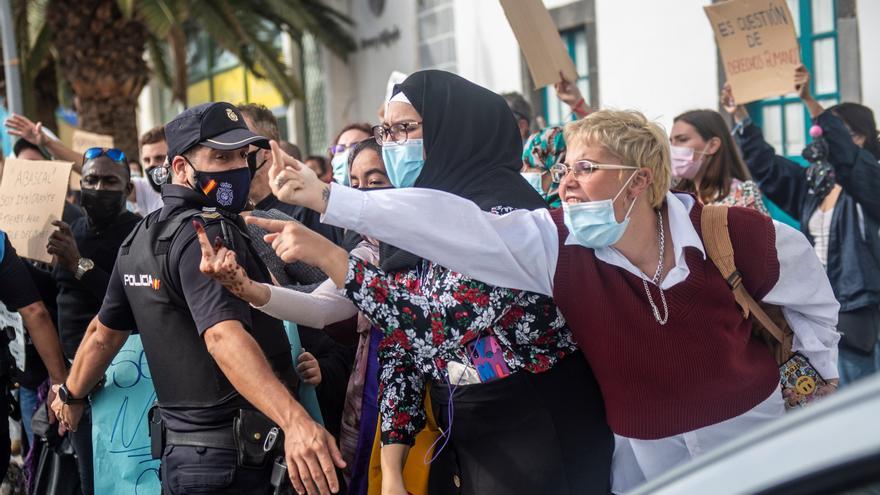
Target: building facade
{"points": [[657, 57]]}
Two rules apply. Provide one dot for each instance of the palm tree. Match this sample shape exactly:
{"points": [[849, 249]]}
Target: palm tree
{"points": [[100, 47]]}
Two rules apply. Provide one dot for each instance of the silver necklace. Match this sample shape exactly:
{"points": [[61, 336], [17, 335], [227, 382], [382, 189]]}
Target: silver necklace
{"points": [[657, 276]]}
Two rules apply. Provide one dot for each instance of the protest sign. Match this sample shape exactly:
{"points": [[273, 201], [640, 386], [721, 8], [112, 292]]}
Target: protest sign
{"points": [[83, 140], [11, 319], [539, 40], [758, 46], [32, 196], [120, 431]]}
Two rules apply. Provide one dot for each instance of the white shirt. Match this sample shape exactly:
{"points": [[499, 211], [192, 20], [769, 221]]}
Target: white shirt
{"points": [[325, 305], [148, 200], [520, 250], [820, 229]]}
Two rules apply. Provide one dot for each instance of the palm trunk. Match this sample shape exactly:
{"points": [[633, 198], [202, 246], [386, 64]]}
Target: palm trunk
{"points": [[45, 96], [101, 55], [114, 116]]}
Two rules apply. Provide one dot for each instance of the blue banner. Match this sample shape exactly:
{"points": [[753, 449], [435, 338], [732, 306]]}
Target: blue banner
{"points": [[120, 430]]}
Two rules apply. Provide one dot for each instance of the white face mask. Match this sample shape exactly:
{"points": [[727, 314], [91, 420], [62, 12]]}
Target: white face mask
{"points": [[685, 165], [339, 162], [535, 179], [593, 223]]}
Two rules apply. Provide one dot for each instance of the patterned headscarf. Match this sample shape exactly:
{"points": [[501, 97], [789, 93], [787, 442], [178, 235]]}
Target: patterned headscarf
{"points": [[544, 149]]}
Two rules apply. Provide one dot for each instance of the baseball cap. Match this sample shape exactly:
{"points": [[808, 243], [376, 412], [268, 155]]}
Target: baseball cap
{"points": [[217, 125]]}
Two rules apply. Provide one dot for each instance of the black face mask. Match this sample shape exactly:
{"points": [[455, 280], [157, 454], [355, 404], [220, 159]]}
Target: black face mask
{"points": [[228, 190], [101, 206], [253, 165], [156, 187]]}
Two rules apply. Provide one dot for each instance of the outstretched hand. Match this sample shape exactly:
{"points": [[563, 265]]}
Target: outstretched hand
{"points": [[567, 91], [295, 183], [728, 103], [802, 83], [23, 127]]}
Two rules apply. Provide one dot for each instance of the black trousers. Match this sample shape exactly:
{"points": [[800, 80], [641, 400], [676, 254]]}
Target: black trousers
{"points": [[525, 434], [5, 442], [81, 439], [187, 470]]}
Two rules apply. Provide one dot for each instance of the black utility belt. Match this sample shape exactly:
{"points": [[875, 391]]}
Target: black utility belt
{"points": [[254, 437]]}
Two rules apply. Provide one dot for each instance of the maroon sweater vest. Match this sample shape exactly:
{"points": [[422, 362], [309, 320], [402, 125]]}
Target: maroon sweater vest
{"points": [[703, 366]]}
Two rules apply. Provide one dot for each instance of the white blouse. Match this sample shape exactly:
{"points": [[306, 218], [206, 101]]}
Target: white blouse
{"points": [[820, 229]]}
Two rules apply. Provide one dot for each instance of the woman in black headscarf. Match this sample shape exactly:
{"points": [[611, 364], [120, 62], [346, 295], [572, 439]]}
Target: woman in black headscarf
{"points": [[517, 404]]}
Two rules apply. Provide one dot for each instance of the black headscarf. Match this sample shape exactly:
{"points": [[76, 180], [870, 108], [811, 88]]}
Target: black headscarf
{"points": [[473, 149]]}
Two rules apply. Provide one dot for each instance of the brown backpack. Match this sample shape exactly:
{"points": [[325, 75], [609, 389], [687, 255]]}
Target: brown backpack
{"points": [[768, 322]]}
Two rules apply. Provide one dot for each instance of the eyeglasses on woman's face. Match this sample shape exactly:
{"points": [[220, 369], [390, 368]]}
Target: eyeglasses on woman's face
{"points": [[583, 169], [396, 133]]}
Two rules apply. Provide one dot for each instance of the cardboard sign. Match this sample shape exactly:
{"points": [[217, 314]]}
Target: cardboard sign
{"points": [[120, 429], [539, 40], [11, 319], [758, 45], [83, 140], [32, 196]]}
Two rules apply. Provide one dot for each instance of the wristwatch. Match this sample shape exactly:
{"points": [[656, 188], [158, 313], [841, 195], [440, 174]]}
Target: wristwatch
{"points": [[66, 397], [82, 266]]}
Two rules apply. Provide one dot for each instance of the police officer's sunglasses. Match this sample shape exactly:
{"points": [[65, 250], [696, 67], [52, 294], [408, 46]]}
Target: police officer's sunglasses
{"points": [[116, 155]]}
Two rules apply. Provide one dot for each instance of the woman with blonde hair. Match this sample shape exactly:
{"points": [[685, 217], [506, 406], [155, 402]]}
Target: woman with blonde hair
{"points": [[625, 262]]}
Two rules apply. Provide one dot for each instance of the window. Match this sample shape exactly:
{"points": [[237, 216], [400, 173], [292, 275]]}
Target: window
{"points": [[436, 35], [556, 112], [313, 84], [785, 121]]}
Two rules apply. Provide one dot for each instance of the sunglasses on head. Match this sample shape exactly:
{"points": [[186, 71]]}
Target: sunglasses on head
{"points": [[116, 155]]}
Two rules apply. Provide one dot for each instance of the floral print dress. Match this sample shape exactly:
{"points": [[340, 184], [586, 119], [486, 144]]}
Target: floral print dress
{"points": [[745, 194], [428, 315]]}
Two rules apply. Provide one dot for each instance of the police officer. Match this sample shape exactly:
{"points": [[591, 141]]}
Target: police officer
{"points": [[216, 363]]}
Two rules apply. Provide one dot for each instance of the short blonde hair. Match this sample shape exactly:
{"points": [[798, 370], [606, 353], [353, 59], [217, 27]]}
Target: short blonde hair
{"points": [[631, 137]]}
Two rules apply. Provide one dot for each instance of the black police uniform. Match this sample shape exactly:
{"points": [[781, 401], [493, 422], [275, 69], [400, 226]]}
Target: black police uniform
{"points": [[156, 287]]}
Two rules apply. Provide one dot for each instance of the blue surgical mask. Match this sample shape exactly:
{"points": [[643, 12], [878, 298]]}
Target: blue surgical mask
{"points": [[593, 224], [339, 162], [404, 162], [535, 180]]}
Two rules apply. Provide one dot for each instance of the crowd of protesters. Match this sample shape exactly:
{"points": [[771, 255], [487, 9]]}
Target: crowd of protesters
{"points": [[478, 306]]}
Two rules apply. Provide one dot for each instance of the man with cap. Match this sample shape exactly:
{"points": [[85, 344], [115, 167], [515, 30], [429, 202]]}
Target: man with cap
{"points": [[223, 371]]}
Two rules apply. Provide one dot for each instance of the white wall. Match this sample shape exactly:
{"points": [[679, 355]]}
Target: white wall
{"points": [[358, 90], [485, 47], [868, 12], [373, 65], [656, 57]]}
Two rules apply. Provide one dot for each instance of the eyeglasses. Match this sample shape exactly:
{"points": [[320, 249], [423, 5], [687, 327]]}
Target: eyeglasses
{"points": [[116, 155], [583, 169], [397, 133]]}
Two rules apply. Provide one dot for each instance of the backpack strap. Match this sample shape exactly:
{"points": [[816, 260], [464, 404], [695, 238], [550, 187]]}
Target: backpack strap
{"points": [[716, 238]]}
